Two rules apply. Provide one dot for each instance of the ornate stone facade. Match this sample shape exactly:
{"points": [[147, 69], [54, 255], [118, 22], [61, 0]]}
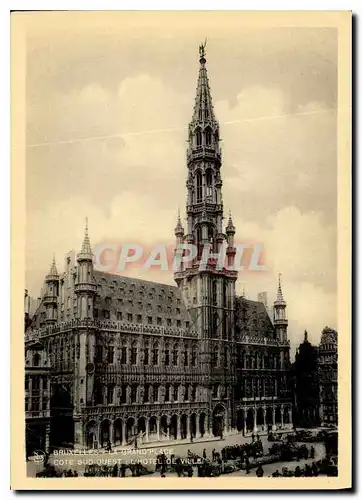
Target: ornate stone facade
{"points": [[328, 376], [137, 360], [37, 398]]}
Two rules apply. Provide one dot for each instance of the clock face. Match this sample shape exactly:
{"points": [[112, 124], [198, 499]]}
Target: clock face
{"points": [[90, 368]]}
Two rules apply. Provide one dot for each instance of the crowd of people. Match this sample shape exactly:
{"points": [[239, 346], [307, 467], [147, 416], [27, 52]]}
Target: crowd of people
{"points": [[51, 471], [235, 457], [326, 466]]}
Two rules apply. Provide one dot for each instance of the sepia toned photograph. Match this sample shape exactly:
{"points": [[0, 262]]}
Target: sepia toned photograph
{"points": [[181, 233]]}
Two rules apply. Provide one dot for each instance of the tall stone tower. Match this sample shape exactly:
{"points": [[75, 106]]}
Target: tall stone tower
{"points": [[280, 316], [85, 289], [51, 294], [207, 284]]}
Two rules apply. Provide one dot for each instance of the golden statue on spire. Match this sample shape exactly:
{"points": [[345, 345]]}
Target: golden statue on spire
{"points": [[202, 49]]}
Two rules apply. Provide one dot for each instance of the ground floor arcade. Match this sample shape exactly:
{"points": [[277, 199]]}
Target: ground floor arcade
{"points": [[136, 430], [263, 418]]}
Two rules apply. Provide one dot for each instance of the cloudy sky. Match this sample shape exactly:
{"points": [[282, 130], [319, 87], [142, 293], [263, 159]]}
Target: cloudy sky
{"points": [[108, 104]]}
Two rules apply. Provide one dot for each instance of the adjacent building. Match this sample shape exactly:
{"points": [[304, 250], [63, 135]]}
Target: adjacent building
{"points": [[306, 385], [37, 398], [328, 376]]}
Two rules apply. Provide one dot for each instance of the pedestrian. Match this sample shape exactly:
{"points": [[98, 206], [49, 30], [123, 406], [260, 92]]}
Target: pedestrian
{"points": [[252, 437], [258, 437], [260, 471], [315, 469], [297, 472], [204, 454], [213, 455], [312, 452], [109, 446], [115, 471]]}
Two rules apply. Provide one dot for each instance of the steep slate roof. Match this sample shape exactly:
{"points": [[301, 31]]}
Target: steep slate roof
{"points": [[126, 295], [252, 318], [139, 297]]}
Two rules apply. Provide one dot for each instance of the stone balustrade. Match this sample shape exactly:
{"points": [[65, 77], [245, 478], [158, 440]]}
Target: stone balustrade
{"points": [[115, 326]]}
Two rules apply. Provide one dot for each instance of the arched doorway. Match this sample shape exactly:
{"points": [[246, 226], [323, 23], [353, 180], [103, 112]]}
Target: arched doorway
{"points": [[163, 427], [240, 420], [278, 416], [130, 429], [250, 420], [104, 437], [183, 426], [61, 412], [218, 420], [193, 425], [260, 418], [141, 425], [269, 415], [91, 434], [173, 427], [118, 432], [202, 424], [286, 415], [152, 428]]}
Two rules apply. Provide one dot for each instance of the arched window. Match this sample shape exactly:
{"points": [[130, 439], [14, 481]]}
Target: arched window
{"points": [[198, 138], [193, 356], [186, 355], [36, 359], [198, 187], [209, 184], [211, 238], [215, 391], [134, 352], [208, 137], [199, 242], [167, 354], [214, 292], [155, 352], [175, 355], [146, 353], [215, 321]]}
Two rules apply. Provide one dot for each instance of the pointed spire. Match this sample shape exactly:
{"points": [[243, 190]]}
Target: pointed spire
{"points": [[86, 246], [305, 336], [280, 298], [179, 230], [53, 273], [203, 109], [230, 228]]}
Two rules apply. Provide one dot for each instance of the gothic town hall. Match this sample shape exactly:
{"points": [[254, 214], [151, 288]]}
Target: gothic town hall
{"points": [[111, 358]]}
